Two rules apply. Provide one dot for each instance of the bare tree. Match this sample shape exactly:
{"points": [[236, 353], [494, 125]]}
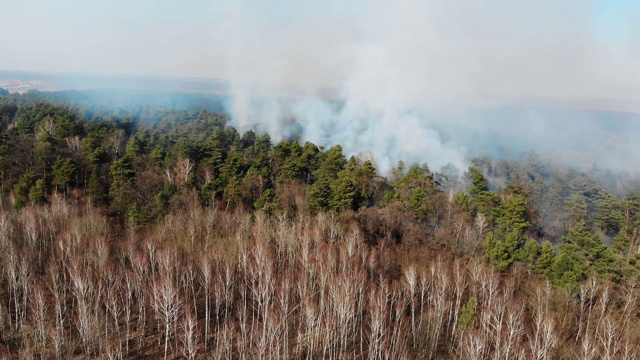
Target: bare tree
{"points": [[206, 274], [588, 349], [609, 340], [411, 283], [182, 169], [74, 142], [189, 335], [166, 304], [543, 339], [39, 311], [474, 345]]}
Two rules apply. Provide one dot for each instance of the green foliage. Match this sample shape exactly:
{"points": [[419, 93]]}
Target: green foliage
{"points": [[319, 195], [463, 200], [389, 197], [364, 178], [416, 190], [581, 236], [512, 215], [481, 199], [621, 243], [343, 193], [253, 185], [157, 156], [309, 161], [232, 193], [576, 207], [501, 253], [120, 193], [545, 261], [267, 202], [417, 201], [163, 197], [137, 215], [333, 163], [531, 252], [96, 190], [123, 167], [22, 189], [38, 192], [568, 268], [604, 263], [608, 214], [511, 219], [209, 192], [130, 166], [479, 184], [62, 172], [468, 315]]}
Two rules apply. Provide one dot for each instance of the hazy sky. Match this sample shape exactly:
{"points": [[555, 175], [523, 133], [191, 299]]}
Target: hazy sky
{"points": [[435, 48], [391, 62]]}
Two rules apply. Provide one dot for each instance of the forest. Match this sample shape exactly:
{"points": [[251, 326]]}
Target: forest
{"points": [[158, 230]]}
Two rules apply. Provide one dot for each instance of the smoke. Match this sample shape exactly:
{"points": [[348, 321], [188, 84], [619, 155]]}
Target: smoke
{"points": [[442, 81], [430, 81]]}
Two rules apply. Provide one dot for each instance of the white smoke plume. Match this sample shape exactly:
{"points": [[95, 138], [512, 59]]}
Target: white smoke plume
{"points": [[413, 80], [420, 79]]}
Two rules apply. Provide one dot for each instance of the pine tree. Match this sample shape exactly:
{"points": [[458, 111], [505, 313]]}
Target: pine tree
{"points": [[546, 259], [319, 195], [96, 189], [498, 253], [62, 172], [38, 192], [608, 214], [468, 315], [22, 188], [343, 193], [568, 267], [621, 243]]}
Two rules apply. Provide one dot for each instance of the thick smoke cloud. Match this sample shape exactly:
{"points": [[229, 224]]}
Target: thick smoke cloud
{"points": [[437, 81], [416, 80]]}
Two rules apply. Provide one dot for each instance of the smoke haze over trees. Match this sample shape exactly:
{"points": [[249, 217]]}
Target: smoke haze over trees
{"points": [[146, 231], [368, 179], [407, 75]]}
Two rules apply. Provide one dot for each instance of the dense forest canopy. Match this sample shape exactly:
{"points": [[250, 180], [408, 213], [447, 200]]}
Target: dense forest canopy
{"points": [[172, 179]]}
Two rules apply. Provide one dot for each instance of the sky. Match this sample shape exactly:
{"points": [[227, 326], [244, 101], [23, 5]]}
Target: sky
{"points": [[452, 48], [396, 66]]}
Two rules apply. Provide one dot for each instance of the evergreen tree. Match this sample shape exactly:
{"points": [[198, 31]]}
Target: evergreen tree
{"points": [[22, 188], [621, 243], [120, 194], [531, 252], [365, 182], [568, 267], [511, 218], [343, 193], [608, 215], [96, 190], [544, 262], [498, 253], [62, 172], [267, 202], [38, 192], [468, 315], [333, 163], [576, 207], [483, 200], [319, 195], [605, 263], [309, 161]]}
